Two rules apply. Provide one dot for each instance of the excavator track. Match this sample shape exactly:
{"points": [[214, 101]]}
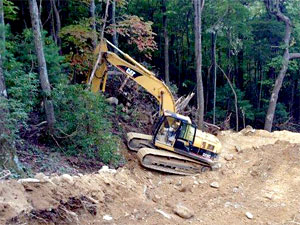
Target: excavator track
{"points": [[136, 141], [170, 162]]}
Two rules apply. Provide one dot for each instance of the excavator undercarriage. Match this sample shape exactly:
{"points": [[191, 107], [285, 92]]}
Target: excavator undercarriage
{"points": [[175, 163]]}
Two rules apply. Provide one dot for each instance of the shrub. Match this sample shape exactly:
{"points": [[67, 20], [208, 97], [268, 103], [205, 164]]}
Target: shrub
{"points": [[82, 125]]}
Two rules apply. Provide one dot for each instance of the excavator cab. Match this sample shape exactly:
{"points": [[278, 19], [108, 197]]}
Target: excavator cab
{"points": [[174, 131]]}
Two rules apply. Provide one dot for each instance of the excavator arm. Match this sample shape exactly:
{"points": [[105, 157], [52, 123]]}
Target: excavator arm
{"points": [[135, 71]]}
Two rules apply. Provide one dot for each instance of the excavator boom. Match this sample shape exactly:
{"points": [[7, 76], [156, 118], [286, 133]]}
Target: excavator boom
{"points": [[134, 71]]}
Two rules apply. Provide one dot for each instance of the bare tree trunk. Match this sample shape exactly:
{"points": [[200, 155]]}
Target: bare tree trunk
{"points": [[198, 6], [260, 88], [235, 99], [166, 39], [101, 39], [113, 17], [3, 92], [58, 25], [274, 8], [214, 72], [93, 17], [43, 73]]}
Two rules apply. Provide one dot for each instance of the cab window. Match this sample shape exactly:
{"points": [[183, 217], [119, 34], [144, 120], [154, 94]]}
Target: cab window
{"points": [[187, 132]]}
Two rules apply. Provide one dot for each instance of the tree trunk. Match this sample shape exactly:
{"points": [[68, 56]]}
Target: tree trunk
{"points": [[274, 8], [214, 71], [198, 6], [113, 17], [43, 74], [240, 71], [93, 17], [235, 98], [3, 92], [166, 39], [275, 92], [58, 25]]}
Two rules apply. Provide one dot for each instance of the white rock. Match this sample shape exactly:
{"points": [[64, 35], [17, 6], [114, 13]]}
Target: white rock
{"points": [[215, 166], [166, 215], [235, 189], [67, 178], [238, 149], [107, 217], [112, 101], [249, 215], [228, 157], [39, 176], [55, 179], [105, 169], [156, 198], [269, 195], [29, 180], [183, 211], [215, 184]]}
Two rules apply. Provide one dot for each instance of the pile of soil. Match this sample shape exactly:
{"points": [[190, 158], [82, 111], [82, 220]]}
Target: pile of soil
{"points": [[258, 183]]}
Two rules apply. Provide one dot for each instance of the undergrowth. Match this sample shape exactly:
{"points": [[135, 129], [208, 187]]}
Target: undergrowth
{"points": [[83, 126]]}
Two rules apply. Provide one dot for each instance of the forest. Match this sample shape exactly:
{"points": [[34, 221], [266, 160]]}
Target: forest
{"points": [[241, 58]]}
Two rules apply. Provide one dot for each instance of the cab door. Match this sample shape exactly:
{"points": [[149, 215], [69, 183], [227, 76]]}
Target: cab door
{"points": [[165, 136]]}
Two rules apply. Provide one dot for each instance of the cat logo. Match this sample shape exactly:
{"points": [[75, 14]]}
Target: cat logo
{"points": [[130, 72]]}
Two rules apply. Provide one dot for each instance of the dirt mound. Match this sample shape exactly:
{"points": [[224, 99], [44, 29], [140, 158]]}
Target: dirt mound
{"points": [[258, 183]]}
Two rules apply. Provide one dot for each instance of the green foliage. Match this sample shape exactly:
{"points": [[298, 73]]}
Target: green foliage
{"points": [[21, 86], [79, 36], [14, 117], [82, 123], [10, 10], [55, 63]]}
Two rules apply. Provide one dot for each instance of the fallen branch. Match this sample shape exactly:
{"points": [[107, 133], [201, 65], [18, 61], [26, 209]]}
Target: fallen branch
{"points": [[182, 102], [4, 174], [123, 84]]}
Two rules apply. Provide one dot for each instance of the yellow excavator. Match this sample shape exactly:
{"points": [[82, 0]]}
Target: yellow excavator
{"points": [[176, 146]]}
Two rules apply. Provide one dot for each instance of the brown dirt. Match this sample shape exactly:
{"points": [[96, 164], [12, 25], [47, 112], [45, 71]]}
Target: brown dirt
{"points": [[261, 178]]}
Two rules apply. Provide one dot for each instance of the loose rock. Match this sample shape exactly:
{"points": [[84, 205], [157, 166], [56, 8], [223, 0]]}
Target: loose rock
{"points": [[228, 157], [105, 169], [39, 176], [249, 215], [183, 211], [67, 178], [156, 198], [166, 215], [215, 184], [112, 101], [107, 217], [238, 149]]}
